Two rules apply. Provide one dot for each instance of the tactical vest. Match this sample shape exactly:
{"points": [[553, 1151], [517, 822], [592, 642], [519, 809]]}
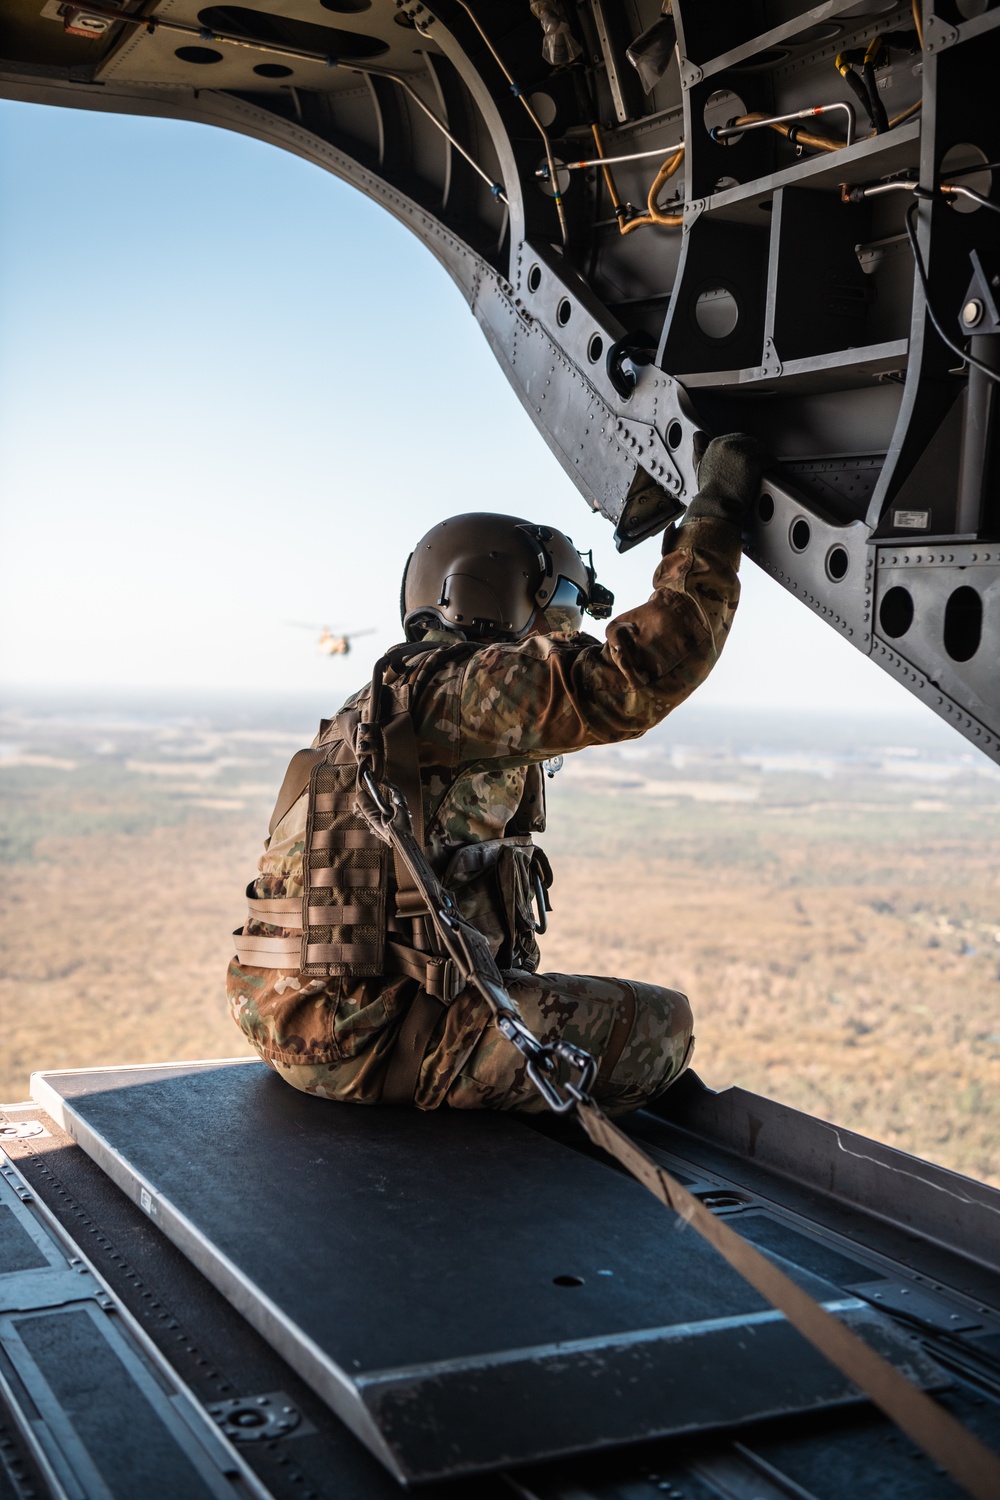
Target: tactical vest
{"points": [[360, 916]]}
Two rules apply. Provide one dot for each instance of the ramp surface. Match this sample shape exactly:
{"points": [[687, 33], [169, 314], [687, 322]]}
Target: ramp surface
{"points": [[464, 1292]]}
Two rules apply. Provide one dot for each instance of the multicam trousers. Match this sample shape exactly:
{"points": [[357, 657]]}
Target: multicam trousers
{"points": [[640, 1035]]}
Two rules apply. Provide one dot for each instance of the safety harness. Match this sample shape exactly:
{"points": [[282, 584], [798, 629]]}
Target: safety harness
{"points": [[363, 913]]}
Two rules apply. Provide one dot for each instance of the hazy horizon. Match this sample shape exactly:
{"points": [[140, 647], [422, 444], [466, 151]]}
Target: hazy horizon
{"points": [[696, 722]]}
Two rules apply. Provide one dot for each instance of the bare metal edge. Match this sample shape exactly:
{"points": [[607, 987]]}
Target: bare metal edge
{"points": [[533, 1353], [194, 1418], [184, 1062], [291, 1342]]}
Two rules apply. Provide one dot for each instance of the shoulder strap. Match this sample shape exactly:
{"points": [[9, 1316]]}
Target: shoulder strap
{"points": [[300, 768], [400, 757], [381, 703], [529, 816], [403, 1073], [389, 710]]}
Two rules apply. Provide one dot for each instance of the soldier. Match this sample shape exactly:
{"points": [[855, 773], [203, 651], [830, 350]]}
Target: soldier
{"points": [[338, 982]]}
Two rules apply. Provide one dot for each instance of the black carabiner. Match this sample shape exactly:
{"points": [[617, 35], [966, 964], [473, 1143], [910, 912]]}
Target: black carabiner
{"points": [[541, 922]]}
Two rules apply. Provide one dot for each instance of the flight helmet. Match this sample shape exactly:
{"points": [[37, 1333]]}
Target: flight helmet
{"points": [[484, 576]]}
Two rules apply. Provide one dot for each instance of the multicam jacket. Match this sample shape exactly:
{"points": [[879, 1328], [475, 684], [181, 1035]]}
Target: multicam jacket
{"points": [[483, 714]]}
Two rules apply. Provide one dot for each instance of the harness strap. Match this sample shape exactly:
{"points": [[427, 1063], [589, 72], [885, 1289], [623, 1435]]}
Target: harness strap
{"points": [[403, 1072], [402, 761], [437, 975]]}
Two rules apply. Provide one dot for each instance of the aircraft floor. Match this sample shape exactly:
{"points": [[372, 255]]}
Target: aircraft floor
{"points": [[838, 1452]]}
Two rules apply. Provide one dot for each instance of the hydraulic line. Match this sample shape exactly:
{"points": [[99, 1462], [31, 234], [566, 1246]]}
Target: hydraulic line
{"points": [[757, 120], [852, 80], [602, 161], [515, 90], [784, 124], [959, 190], [851, 194], [654, 214], [609, 179], [866, 87], [918, 261], [986, 166], [279, 49], [905, 114], [876, 109], [918, 21]]}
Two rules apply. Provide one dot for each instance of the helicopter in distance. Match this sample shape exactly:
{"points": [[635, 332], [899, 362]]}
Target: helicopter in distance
{"points": [[332, 642]]}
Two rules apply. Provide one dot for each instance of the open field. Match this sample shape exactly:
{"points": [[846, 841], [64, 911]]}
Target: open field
{"points": [[831, 909]]}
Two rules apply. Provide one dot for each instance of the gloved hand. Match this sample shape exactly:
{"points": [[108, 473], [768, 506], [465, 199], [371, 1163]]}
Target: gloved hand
{"points": [[729, 475]]}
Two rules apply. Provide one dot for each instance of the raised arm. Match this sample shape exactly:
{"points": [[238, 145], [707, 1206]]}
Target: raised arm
{"points": [[548, 694]]}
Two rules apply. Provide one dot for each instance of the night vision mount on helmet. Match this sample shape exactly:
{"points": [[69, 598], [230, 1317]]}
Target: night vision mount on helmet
{"points": [[486, 576]]}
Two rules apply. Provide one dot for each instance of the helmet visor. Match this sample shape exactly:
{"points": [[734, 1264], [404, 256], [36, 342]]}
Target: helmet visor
{"points": [[564, 611]]}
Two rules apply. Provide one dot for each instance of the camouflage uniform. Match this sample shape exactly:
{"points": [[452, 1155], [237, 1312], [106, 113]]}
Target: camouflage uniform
{"points": [[483, 714]]}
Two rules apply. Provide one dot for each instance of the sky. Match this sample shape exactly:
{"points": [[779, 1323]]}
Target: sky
{"points": [[233, 394]]}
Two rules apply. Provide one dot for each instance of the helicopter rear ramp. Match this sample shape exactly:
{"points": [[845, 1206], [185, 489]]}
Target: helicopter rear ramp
{"points": [[471, 1294]]}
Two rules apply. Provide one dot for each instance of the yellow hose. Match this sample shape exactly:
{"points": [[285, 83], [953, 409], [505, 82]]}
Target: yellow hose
{"points": [[609, 180], [905, 114], [656, 215], [918, 22]]}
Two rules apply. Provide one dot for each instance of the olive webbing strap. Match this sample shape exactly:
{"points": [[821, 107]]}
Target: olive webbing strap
{"points": [[403, 1073], [969, 1462], [402, 766]]}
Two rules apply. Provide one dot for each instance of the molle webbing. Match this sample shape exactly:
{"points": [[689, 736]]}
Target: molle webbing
{"points": [[360, 916], [345, 870], [345, 864]]}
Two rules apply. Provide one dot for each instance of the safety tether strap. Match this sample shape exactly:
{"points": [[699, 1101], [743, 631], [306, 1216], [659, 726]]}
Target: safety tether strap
{"points": [[971, 1464]]}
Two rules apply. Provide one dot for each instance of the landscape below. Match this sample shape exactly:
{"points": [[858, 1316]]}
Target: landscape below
{"points": [[826, 893]]}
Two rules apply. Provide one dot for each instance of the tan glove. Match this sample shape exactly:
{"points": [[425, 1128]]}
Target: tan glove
{"points": [[728, 478]]}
